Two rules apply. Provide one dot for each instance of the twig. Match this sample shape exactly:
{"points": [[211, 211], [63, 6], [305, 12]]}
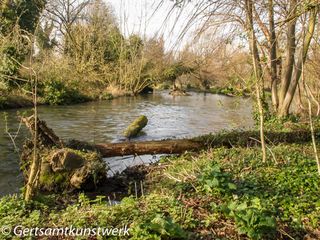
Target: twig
{"points": [[172, 178], [273, 156], [286, 234], [141, 186]]}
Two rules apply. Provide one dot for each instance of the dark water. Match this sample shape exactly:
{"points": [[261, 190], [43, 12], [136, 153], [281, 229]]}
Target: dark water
{"points": [[98, 122]]}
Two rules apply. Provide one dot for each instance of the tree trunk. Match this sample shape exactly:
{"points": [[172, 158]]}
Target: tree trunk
{"points": [[179, 146], [284, 110], [149, 147], [273, 57], [136, 126], [291, 48], [257, 73], [42, 137]]}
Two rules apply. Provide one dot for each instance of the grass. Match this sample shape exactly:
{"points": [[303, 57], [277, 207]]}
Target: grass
{"points": [[217, 194]]}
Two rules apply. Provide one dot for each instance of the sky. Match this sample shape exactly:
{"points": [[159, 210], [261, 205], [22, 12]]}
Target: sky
{"points": [[147, 18]]}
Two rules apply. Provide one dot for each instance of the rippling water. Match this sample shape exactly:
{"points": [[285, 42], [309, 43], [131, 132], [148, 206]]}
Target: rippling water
{"points": [[96, 122]]}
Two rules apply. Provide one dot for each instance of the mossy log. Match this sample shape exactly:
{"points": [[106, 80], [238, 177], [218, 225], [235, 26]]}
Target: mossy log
{"points": [[148, 147], [136, 126], [226, 139], [62, 168]]}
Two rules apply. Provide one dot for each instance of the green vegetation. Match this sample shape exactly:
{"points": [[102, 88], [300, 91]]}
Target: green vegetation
{"points": [[229, 192], [57, 93], [230, 91], [91, 60], [218, 194]]}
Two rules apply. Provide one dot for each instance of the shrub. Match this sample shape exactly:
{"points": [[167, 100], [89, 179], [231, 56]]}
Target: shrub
{"points": [[56, 93]]}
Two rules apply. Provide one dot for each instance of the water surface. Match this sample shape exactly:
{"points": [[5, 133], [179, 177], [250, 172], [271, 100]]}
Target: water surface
{"points": [[99, 122]]}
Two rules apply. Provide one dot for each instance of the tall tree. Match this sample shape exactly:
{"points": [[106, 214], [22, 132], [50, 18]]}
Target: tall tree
{"points": [[25, 13], [291, 81], [271, 17], [65, 14]]}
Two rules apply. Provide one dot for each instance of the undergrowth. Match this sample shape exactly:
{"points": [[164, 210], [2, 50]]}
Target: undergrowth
{"points": [[218, 194]]}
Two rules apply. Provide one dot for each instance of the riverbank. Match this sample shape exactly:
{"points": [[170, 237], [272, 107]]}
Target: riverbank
{"points": [[15, 101], [69, 96], [220, 193], [18, 100], [226, 91]]}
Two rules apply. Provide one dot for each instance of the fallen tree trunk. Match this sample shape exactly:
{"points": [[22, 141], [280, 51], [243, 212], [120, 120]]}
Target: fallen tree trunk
{"points": [[227, 139], [233, 138], [46, 136], [148, 147]]}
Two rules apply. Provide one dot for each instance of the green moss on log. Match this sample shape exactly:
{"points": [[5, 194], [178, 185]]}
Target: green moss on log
{"points": [[136, 126], [66, 169]]}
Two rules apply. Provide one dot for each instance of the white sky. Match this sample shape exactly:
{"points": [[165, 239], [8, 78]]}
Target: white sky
{"points": [[141, 16]]}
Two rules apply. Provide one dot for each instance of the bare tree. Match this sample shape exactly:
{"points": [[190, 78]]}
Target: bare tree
{"points": [[293, 81], [65, 13], [258, 75], [270, 18]]}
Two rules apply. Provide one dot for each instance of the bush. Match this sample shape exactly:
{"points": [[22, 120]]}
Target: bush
{"points": [[56, 93]]}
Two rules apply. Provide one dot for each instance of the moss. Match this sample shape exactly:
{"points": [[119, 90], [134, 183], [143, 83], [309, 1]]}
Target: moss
{"points": [[55, 181], [136, 126], [92, 172]]}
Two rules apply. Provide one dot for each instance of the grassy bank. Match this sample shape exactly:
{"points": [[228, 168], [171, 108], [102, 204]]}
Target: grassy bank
{"points": [[60, 94], [56, 94], [15, 101], [218, 194]]}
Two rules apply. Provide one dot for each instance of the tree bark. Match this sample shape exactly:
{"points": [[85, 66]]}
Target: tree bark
{"points": [[273, 56], [290, 52], [284, 111], [149, 147], [257, 72]]}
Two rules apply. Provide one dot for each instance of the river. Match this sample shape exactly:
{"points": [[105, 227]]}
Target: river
{"points": [[104, 121]]}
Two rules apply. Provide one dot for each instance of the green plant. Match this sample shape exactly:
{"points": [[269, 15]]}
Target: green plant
{"points": [[57, 93], [252, 219], [215, 181], [159, 227]]}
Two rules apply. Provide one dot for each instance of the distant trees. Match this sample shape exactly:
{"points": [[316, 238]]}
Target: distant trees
{"points": [[19, 20], [80, 41], [284, 31], [65, 14], [176, 70], [24, 13], [216, 63]]}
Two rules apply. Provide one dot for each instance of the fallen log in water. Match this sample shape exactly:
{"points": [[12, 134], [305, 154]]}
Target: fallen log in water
{"points": [[240, 138], [148, 147], [136, 126], [227, 139]]}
